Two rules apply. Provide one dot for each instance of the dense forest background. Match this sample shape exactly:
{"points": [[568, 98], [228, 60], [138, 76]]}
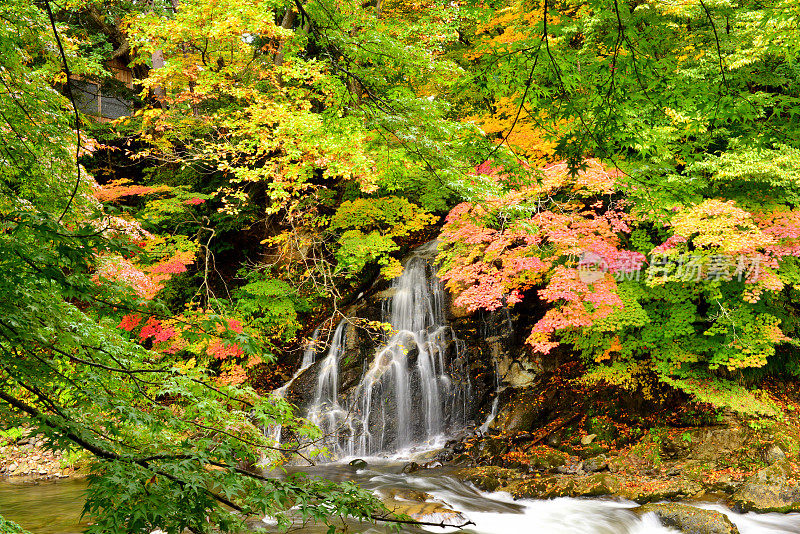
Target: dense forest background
{"points": [[628, 171]]}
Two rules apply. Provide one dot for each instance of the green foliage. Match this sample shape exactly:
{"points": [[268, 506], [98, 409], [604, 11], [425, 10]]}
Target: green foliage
{"points": [[270, 306], [9, 527], [165, 438], [11, 434], [697, 108], [370, 227]]}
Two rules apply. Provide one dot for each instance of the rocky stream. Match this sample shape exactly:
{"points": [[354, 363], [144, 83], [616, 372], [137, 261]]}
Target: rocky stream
{"points": [[449, 419]]}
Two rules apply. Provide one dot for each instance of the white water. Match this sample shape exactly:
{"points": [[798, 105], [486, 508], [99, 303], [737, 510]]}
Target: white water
{"points": [[409, 397], [408, 394], [493, 414], [325, 411], [308, 361], [498, 513], [274, 431]]}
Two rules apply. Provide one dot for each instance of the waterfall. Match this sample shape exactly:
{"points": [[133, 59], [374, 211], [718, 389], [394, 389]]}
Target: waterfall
{"points": [[274, 431], [416, 387], [325, 412], [498, 390]]}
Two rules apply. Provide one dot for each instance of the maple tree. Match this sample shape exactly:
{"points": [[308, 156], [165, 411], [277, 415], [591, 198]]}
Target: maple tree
{"points": [[630, 168], [690, 236]]}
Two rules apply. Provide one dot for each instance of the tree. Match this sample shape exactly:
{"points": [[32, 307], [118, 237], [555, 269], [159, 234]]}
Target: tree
{"points": [[170, 448], [692, 110]]}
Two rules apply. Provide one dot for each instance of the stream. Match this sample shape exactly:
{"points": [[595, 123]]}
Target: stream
{"points": [[414, 389], [54, 508]]}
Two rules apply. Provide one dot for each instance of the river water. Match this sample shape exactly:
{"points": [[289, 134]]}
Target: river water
{"points": [[46, 507], [413, 392], [54, 508]]}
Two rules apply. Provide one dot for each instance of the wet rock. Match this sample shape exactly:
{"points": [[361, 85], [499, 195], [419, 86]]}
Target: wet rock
{"points": [[724, 484], [769, 490], [489, 448], [411, 467], [433, 512], [596, 463], [404, 494], [520, 414], [487, 478], [420, 506], [358, 463], [432, 464], [688, 519], [462, 459]]}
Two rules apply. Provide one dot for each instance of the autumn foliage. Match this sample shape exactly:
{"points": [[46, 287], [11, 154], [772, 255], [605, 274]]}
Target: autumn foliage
{"points": [[689, 295]]}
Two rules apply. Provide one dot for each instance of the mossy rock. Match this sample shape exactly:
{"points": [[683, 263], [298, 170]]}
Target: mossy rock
{"points": [[596, 485], [688, 519], [548, 487], [603, 428], [595, 463], [771, 489], [545, 457], [646, 490], [9, 527], [487, 478]]}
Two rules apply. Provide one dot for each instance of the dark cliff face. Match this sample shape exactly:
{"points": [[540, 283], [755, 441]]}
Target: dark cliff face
{"points": [[501, 363]]}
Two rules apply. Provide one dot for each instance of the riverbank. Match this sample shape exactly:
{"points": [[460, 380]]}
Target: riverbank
{"points": [[432, 495], [27, 458], [559, 440]]}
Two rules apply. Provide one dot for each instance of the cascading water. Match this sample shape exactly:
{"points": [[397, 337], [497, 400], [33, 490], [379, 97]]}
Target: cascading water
{"points": [[274, 431], [416, 387], [325, 412]]}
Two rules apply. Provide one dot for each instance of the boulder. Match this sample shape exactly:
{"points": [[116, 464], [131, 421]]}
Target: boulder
{"points": [[712, 444], [420, 506], [411, 467], [405, 494], [647, 490], [550, 487], [487, 478], [769, 490], [546, 458], [358, 463], [596, 463], [595, 485], [772, 454], [688, 519], [521, 412]]}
